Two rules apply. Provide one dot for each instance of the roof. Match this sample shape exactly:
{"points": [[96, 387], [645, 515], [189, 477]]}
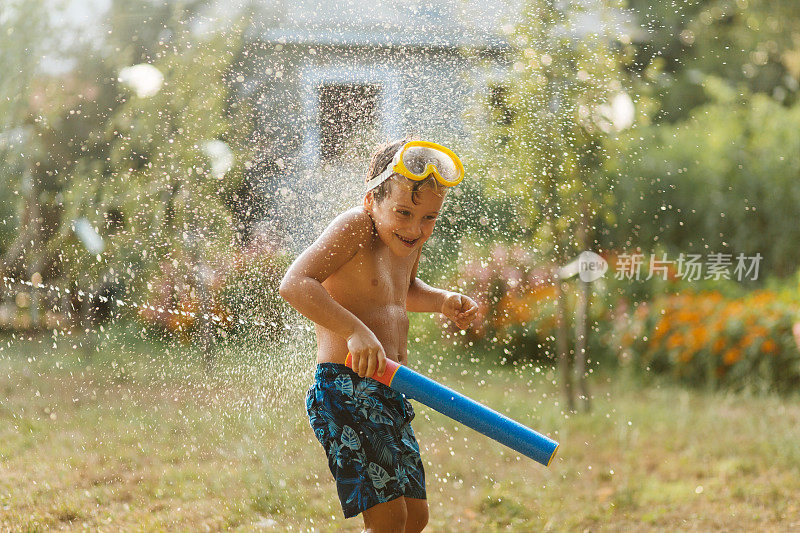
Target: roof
{"points": [[412, 23], [328, 37]]}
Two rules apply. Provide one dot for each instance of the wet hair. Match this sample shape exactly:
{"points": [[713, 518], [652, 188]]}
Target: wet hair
{"points": [[382, 158]]}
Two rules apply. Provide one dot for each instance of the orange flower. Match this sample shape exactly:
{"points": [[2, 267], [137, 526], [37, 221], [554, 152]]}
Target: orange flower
{"points": [[661, 328], [502, 314], [699, 336], [543, 292], [718, 326], [748, 340], [761, 298], [760, 331], [627, 339], [715, 296], [719, 344], [731, 356], [769, 346], [675, 340]]}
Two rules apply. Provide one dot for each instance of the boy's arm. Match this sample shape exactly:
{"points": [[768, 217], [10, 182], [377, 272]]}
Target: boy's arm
{"points": [[422, 298], [302, 284], [426, 299]]}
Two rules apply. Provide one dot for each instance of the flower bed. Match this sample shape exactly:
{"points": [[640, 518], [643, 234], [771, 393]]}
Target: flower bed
{"points": [[516, 303], [704, 338]]}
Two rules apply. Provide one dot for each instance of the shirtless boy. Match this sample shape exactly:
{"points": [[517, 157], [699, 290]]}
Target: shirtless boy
{"points": [[356, 282]]}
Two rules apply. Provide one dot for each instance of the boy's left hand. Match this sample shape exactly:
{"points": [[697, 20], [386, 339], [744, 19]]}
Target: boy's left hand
{"points": [[460, 309]]}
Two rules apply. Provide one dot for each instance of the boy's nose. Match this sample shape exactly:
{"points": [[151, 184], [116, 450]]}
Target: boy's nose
{"points": [[416, 231]]}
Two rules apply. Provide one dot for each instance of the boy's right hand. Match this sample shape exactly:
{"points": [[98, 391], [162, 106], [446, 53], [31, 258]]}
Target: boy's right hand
{"points": [[367, 352]]}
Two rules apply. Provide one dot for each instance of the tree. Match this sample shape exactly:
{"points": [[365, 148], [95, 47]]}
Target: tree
{"points": [[551, 135], [22, 26], [142, 170], [750, 43], [724, 180]]}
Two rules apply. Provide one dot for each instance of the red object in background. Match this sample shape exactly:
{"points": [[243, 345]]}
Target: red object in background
{"points": [[173, 301], [796, 331]]}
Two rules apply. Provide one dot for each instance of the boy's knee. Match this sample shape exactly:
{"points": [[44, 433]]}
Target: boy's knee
{"points": [[389, 517], [416, 522], [417, 517]]}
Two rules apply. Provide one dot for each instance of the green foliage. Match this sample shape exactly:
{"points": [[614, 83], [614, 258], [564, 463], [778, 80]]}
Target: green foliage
{"points": [[159, 175], [251, 293], [724, 180], [553, 127], [134, 166], [753, 44], [516, 303], [470, 215], [22, 25], [551, 123]]}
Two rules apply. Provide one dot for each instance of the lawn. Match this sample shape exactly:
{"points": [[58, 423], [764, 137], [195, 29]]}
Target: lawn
{"points": [[135, 435]]}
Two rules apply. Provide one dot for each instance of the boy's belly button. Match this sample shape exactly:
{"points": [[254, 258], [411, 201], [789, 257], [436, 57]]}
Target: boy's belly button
{"points": [[374, 282]]}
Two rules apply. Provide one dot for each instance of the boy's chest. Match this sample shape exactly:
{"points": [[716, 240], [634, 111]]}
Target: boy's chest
{"points": [[379, 277]]}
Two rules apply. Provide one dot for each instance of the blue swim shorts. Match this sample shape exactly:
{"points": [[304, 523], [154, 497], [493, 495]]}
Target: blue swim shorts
{"points": [[365, 428]]}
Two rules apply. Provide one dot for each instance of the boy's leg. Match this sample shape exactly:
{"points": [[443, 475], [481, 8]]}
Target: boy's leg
{"points": [[417, 514], [387, 517], [407, 515]]}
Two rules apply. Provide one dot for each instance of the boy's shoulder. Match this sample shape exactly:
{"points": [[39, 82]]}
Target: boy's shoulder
{"points": [[356, 223]]}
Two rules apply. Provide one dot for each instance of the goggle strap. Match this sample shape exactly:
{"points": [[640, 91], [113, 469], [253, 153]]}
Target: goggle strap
{"points": [[383, 176], [377, 180]]}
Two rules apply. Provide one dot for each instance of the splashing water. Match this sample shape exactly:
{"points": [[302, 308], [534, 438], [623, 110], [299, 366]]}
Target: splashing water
{"points": [[160, 171]]}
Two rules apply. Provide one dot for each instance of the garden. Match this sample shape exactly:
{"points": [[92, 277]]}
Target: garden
{"points": [[627, 226]]}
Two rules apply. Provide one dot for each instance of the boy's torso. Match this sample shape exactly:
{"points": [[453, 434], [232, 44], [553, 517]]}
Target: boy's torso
{"points": [[373, 285]]}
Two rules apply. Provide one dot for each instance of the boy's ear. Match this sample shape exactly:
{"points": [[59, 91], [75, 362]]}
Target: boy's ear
{"points": [[369, 199]]}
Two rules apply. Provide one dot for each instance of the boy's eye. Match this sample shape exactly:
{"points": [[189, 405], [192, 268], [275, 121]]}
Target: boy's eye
{"points": [[403, 212]]}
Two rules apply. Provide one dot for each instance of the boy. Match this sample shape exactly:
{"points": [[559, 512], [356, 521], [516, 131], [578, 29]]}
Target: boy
{"points": [[356, 282]]}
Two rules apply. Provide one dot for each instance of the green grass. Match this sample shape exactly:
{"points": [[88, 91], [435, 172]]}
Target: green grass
{"points": [[136, 435]]}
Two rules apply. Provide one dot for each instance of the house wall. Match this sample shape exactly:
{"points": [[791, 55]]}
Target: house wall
{"points": [[426, 81]]}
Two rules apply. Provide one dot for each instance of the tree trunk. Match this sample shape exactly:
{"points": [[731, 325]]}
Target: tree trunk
{"points": [[581, 313], [564, 360], [28, 216], [203, 328], [581, 317], [87, 333], [36, 297]]}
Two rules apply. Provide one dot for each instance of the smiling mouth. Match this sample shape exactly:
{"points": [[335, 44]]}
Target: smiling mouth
{"points": [[407, 242]]}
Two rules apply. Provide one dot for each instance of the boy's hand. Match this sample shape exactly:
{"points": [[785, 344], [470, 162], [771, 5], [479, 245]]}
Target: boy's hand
{"points": [[460, 309], [367, 352]]}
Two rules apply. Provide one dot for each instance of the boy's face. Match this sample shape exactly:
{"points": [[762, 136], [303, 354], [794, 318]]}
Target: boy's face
{"points": [[401, 224]]}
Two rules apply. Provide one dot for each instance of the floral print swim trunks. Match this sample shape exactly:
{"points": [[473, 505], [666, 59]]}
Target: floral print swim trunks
{"points": [[365, 428]]}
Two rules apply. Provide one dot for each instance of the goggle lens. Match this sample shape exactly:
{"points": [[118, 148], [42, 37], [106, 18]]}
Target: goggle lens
{"points": [[419, 159]]}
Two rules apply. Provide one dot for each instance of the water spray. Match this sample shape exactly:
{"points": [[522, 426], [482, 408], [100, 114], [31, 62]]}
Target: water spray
{"points": [[217, 319]]}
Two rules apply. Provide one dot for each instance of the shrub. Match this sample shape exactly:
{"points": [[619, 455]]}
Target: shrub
{"points": [[251, 292], [724, 180], [516, 302], [243, 294], [172, 303], [706, 339]]}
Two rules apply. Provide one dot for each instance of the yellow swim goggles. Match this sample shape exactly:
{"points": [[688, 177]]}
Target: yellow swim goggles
{"points": [[417, 160]]}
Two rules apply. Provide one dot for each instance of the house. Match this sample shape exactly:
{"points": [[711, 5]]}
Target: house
{"points": [[332, 79]]}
